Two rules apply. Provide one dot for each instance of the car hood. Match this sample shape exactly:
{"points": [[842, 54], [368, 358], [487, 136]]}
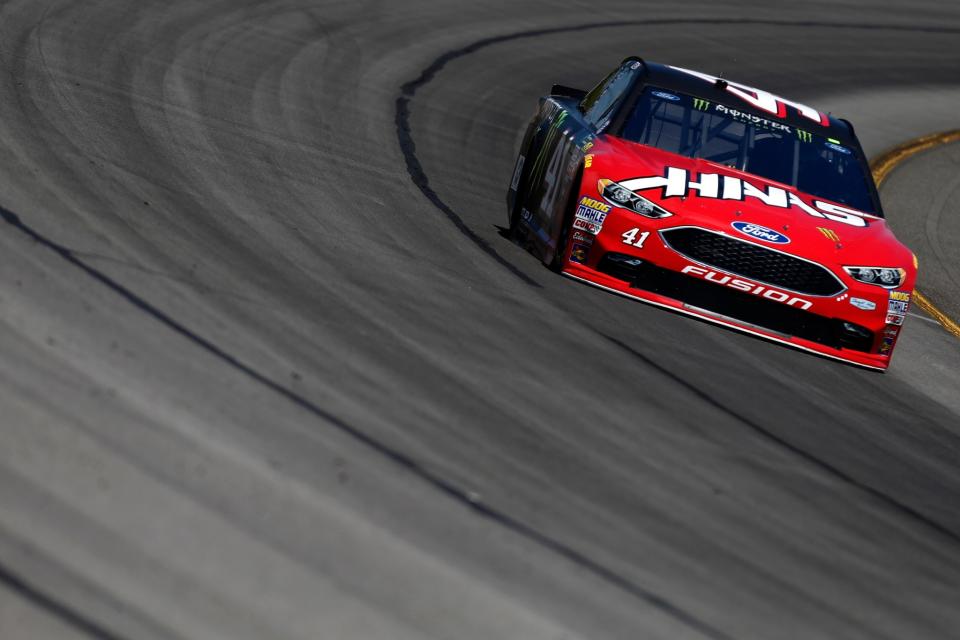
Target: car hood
{"points": [[808, 230]]}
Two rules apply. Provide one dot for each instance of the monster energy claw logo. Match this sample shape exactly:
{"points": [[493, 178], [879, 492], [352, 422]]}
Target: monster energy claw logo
{"points": [[804, 136], [701, 104]]}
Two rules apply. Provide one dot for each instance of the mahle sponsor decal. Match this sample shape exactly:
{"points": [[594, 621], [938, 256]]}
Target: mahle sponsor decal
{"points": [[590, 215], [677, 183], [760, 232], [747, 287], [897, 306]]}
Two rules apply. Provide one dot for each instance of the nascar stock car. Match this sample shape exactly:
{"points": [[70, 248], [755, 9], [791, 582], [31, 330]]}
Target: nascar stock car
{"points": [[716, 200]]}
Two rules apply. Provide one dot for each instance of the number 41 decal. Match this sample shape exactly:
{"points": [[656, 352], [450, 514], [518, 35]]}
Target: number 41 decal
{"points": [[631, 238]]}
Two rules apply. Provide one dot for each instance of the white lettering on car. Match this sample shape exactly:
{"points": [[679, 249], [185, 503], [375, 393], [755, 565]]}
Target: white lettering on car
{"points": [[747, 287], [677, 183], [763, 99]]}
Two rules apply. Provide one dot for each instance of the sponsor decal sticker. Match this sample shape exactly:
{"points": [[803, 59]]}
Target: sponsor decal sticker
{"points": [[886, 345], [865, 305], [592, 203], [583, 238], [894, 319], [837, 147], [590, 215], [829, 234], [760, 232], [588, 161], [665, 95], [902, 296], [895, 306], [891, 331], [805, 136], [743, 116], [747, 287], [589, 227], [579, 252], [701, 104]]}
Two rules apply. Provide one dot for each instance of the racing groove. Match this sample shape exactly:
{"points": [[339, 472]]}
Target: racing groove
{"points": [[232, 170]]}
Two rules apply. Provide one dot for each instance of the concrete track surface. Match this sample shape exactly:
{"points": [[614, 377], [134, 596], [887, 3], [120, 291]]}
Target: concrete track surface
{"points": [[258, 383]]}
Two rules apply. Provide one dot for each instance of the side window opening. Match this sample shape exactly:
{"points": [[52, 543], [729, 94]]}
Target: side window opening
{"points": [[602, 101]]}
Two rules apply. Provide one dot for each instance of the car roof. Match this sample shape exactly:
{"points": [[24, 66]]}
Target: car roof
{"points": [[690, 82]]}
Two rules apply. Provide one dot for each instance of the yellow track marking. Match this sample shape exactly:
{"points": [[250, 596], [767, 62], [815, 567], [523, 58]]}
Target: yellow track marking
{"points": [[881, 168]]}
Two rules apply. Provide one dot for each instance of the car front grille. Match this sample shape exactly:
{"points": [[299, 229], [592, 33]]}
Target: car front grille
{"points": [[752, 261], [723, 301]]}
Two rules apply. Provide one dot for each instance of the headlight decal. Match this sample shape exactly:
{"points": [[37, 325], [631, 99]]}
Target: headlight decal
{"points": [[886, 277], [619, 196]]}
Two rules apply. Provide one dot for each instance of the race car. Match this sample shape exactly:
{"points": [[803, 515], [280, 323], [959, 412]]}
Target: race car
{"points": [[716, 200]]}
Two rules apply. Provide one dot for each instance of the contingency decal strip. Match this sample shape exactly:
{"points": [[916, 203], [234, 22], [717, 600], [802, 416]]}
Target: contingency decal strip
{"points": [[881, 168]]}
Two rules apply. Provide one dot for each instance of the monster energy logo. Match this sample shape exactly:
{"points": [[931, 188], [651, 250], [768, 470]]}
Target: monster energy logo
{"points": [[540, 163], [804, 136], [701, 104]]}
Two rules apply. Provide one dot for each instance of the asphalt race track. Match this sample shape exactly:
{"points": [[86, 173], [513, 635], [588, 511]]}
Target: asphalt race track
{"points": [[269, 371], [931, 183]]}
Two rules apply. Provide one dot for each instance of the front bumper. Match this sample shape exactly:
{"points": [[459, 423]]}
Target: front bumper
{"points": [[657, 274]]}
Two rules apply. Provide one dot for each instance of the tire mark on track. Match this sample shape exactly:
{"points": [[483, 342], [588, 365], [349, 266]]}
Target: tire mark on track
{"points": [[62, 611], [462, 496], [806, 456]]}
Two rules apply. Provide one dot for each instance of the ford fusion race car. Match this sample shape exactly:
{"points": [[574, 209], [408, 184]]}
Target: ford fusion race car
{"points": [[716, 200]]}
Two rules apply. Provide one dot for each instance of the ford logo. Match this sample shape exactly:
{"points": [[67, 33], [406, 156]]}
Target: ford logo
{"points": [[665, 95], [760, 233]]}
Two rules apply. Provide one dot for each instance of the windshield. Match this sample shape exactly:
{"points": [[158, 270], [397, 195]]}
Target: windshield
{"points": [[696, 128]]}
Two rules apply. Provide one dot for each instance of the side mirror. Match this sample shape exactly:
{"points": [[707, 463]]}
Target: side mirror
{"points": [[563, 91]]}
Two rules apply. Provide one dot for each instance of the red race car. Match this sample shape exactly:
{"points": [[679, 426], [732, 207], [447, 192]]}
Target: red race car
{"points": [[716, 200]]}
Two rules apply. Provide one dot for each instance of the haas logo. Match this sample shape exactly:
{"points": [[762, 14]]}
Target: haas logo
{"points": [[677, 183]]}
